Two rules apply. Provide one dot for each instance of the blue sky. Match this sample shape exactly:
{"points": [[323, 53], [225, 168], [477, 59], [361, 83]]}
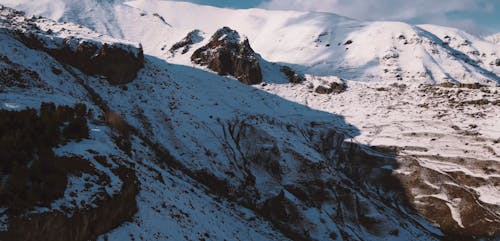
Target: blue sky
{"points": [[479, 16]]}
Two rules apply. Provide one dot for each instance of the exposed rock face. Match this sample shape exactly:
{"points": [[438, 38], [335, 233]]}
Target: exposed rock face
{"points": [[43, 179], [227, 54], [497, 62], [185, 44], [118, 64], [113, 62], [477, 218], [84, 224]]}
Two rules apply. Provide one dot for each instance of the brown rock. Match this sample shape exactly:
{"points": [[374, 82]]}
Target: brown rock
{"points": [[227, 55], [120, 64], [332, 88], [85, 224], [292, 76]]}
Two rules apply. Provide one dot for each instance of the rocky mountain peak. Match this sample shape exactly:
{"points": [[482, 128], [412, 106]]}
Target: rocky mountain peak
{"points": [[226, 35], [226, 54]]}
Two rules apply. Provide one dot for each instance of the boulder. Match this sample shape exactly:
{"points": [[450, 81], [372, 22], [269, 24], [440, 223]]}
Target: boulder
{"points": [[323, 90], [228, 54], [329, 85]]}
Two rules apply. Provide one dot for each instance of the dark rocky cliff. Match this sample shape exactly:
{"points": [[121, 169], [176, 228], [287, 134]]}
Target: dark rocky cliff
{"points": [[119, 65]]}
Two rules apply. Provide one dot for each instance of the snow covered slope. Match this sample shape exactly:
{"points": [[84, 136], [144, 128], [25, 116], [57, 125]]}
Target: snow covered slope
{"points": [[328, 44], [215, 157], [242, 162], [315, 43]]}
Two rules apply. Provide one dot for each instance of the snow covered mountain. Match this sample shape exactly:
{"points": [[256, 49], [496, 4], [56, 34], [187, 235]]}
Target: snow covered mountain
{"points": [[313, 42], [352, 130]]}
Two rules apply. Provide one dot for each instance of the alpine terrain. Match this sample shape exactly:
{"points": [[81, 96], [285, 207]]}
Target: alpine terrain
{"points": [[161, 120]]}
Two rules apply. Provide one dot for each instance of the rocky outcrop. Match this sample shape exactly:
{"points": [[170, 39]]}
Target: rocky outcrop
{"points": [[323, 90], [38, 194], [497, 62], [185, 44], [459, 211], [227, 54], [119, 63], [331, 85], [83, 224], [291, 75]]}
